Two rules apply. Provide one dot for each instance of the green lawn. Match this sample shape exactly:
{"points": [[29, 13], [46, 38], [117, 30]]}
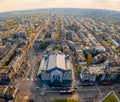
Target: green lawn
{"points": [[64, 100], [110, 98]]}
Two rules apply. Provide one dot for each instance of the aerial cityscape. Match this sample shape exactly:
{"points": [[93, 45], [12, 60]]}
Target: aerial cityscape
{"points": [[60, 55]]}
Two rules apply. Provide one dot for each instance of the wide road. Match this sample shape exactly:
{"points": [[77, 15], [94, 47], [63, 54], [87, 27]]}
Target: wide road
{"points": [[26, 48]]}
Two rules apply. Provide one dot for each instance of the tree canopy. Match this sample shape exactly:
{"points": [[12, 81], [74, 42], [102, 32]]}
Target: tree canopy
{"points": [[64, 100]]}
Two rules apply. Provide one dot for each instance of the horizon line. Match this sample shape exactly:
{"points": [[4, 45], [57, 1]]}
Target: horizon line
{"points": [[10, 11]]}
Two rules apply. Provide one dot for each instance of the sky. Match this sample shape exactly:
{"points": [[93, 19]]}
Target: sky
{"points": [[13, 5]]}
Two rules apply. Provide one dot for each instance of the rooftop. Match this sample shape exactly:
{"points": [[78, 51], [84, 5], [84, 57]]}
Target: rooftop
{"points": [[55, 60]]}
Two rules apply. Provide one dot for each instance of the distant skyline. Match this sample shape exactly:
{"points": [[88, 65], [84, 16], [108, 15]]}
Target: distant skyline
{"points": [[13, 5]]}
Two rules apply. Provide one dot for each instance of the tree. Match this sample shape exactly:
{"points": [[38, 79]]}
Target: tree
{"points": [[64, 100], [102, 35], [30, 31], [43, 46], [89, 59], [78, 68], [59, 48], [4, 67], [71, 57], [10, 22]]}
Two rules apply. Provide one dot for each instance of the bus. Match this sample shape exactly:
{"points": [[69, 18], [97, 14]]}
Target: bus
{"points": [[67, 92]]}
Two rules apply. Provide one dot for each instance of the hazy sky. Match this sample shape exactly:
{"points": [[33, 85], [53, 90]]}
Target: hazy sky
{"points": [[10, 5]]}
